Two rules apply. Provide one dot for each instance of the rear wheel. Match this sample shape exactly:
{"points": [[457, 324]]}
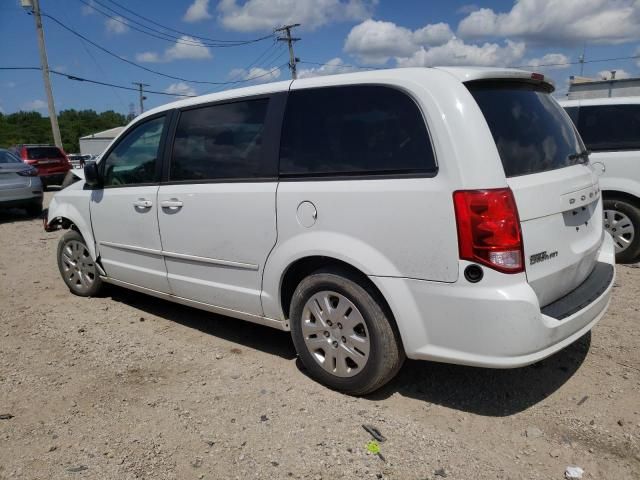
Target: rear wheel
{"points": [[342, 333], [622, 221], [76, 266]]}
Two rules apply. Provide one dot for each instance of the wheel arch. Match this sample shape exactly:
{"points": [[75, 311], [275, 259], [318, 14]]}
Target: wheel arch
{"points": [[304, 266], [67, 216], [621, 195]]}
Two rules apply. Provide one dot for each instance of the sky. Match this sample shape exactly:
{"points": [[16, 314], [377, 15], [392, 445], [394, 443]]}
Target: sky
{"points": [[208, 41]]}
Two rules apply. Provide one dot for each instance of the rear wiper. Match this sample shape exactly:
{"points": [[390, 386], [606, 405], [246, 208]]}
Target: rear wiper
{"points": [[580, 155]]}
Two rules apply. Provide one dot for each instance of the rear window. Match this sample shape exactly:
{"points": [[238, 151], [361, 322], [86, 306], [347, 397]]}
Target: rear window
{"points": [[40, 153], [7, 157], [610, 127], [532, 132], [354, 130]]}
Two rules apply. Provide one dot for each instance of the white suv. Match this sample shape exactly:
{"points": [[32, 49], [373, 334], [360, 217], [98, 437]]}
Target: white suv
{"points": [[610, 128], [443, 214]]}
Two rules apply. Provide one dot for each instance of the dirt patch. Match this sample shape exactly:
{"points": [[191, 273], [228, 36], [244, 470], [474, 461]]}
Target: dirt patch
{"points": [[96, 392]]}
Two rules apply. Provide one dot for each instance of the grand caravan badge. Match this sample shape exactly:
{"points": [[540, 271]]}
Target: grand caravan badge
{"points": [[542, 257]]}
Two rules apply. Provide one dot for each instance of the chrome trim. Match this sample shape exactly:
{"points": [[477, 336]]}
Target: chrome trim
{"points": [[183, 256], [133, 248], [249, 317], [214, 261]]}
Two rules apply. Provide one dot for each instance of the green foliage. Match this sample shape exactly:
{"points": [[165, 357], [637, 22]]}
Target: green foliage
{"points": [[31, 127]]}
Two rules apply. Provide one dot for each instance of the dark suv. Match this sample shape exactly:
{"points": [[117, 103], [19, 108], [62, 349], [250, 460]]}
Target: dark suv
{"points": [[50, 161]]}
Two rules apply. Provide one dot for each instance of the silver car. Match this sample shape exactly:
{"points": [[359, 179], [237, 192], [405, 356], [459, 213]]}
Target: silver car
{"points": [[20, 185]]}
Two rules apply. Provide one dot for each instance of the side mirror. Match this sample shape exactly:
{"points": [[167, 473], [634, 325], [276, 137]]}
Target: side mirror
{"points": [[92, 174]]}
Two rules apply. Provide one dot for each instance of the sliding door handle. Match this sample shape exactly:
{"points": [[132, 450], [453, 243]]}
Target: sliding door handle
{"points": [[142, 203], [174, 203]]}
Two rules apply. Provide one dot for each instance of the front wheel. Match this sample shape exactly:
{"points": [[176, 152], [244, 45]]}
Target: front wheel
{"points": [[76, 266], [622, 221], [342, 333]]}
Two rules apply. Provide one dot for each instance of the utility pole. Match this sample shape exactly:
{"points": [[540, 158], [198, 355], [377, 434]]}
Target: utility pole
{"points": [[290, 40], [581, 59], [142, 97], [33, 6]]}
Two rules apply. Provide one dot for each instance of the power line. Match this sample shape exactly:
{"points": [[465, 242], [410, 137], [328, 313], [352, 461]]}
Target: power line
{"points": [[178, 31], [632, 57], [166, 36], [155, 72], [95, 61], [70, 76], [342, 65]]}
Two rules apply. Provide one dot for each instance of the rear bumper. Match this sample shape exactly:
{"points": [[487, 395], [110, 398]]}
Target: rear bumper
{"points": [[496, 323]]}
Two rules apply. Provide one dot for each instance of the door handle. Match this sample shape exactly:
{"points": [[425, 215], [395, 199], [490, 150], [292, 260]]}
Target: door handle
{"points": [[174, 203], [142, 203]]}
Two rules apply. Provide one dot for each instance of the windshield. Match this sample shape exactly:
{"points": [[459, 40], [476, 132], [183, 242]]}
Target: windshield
{"points": [[532, 132], [7, 157]]}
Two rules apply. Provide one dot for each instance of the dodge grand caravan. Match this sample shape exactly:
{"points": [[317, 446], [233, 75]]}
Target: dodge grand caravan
{"points": [[445, 214]]}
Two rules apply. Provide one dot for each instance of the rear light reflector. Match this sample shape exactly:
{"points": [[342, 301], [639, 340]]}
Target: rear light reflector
{"points": [[489, 229]]}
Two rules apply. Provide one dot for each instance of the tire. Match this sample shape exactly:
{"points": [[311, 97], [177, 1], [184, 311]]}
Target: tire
{"points": [[622, 221], [351, 365], [76, 266], [34, 209]]}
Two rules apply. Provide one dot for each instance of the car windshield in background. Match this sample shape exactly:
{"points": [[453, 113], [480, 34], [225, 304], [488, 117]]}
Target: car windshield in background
{"points": [[532, 132], [39, 153], [8, 157]]}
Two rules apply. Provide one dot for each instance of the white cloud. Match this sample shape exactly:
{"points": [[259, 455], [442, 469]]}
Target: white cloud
{"points": [[549, 61], [606, 74], [331, 67], [148, 57], [187, 48], [87, 10], [547, 21], [116, 25], [433, 35], [467, 9], [376, 42], [34, 105], [255, 74], [267, 14], [456, 52], [180, 88], [197, 11]]}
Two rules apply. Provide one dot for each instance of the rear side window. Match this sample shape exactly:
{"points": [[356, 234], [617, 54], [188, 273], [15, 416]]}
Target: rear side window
{"points": [[610, 127], [40, 153], [532, 132], [7, 157], [358, 130], [221, 142]]}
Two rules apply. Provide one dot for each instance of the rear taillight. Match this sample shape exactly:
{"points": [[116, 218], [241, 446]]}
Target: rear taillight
{"points": [[29, 172], [489, 229]]}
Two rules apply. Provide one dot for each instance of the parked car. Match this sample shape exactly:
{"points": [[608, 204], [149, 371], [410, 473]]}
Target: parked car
{"points": [[444, 214], [78, 160], [19, 184], [50, 161], [610, 128]]}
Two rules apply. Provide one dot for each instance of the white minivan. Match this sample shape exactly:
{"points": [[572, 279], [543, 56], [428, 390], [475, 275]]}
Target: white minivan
{"points": [[610, 128], [444, 214]]}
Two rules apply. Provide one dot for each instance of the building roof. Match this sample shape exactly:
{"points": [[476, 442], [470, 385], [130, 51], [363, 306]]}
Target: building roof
{"points": [[106, 134]]}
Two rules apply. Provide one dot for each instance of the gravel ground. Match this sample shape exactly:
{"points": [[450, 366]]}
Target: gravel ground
{"points": [[127, 386]]}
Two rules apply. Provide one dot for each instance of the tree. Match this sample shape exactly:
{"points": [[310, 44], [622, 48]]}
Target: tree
{"points": [[31, 127]]}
